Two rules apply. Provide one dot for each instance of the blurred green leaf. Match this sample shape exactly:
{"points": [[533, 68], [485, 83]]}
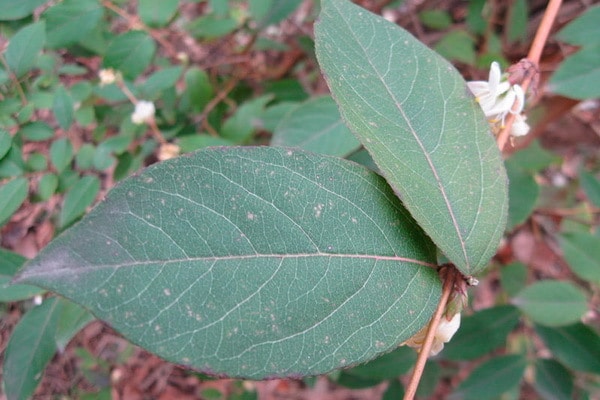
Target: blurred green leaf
{"points": [[457, 45], [552, 303], [63, 107], [24, 47], [286, 90], [533, 158], [582, 251], [476, 16], [211, 26], [394, 391], [482, 332], [47, 186], [12, 195], [37, 131], [71, 320], [269, 12], [246, 120], [160, 80], [84, 159], [10, 263], [577, 346], [157, 13], [356, 382], [61, 154], [523, 192], [130, 53], [78, 199], [275, 113], [198, 90], [71, 21], [17, 9], [194, 142], [37, 162], [584, 30], [316, 125], [387, 366], [5, 142], [513, 278], [429, 380], [30, 347], [492, 378], [516, 27], [435, 19], [578, 76], [552, 380], [591, 186]]}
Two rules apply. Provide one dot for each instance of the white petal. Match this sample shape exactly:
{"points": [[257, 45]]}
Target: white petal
{"points": [[494, 77], [519, 126], [447, 329], [144, 110], [503, 106], [520, 97], [478, 88]]}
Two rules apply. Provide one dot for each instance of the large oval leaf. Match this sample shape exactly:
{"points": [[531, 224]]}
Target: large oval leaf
{"points": [[413, 112], [252, 262]]}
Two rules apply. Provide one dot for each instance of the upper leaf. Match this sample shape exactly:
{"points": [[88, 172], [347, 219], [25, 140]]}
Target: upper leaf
{"points": [[254, 262], [415, 115]]}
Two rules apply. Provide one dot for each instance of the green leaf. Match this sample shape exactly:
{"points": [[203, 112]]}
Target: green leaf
{"points": [[552, 303], [160, 80], [523, 192], [71, 21], [584, 30], [250, 261], [24, 47], [241, 125], [482, 332], [78, 199], [130, 53], [211, 26], [17, 9], [513, 278], [12, 195], [457, 46], [436, 19], [37, 162], [30, 347], [582, 251], [516, 27], [577, 346], [590, 185], [5, 142], [412, 110], [63, 107], [47, 186], [61, 154], [198, 90], [269, 12], [578, 76], [9, 264], [491, 379], [157, 13], [71, 320], [533, 158], [388, 366], [552, 380], [37, 131], [194, 142], [394, 391], [316, 125]]}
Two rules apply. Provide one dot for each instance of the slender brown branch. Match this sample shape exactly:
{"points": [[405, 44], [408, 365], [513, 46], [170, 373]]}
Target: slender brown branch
{"points": [[535, 53], [415, 378]]}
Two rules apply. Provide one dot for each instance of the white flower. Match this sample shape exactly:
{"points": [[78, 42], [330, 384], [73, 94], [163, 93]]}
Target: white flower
{"points": [[497, 98], [107, 76], [445, 330], [144, 112], [168, 151]]}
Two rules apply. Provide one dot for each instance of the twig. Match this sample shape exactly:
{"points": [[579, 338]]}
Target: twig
{"points": [[15, 80], [535, 53], [415, 378]]}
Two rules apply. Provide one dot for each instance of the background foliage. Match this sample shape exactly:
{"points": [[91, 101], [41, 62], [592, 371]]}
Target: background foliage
{"points": [[243, 72]]}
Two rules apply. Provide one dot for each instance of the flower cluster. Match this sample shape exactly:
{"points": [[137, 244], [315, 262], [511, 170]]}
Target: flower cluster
{"points": [[497, 97], [144, 112]]}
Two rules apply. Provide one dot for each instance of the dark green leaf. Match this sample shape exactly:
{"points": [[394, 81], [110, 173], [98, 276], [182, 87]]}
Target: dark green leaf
{"points": [[211, 26], [578, 76], [552, 380], [356, 382], [37, 162], [63, 107], [552, 303], [71, 21], [130, 53], [17, 9], [412, 110], [12, 195], [491, 379], [577, 346], [198, 90], [513, 278], [436, 19], [591, 186], [9, 264], [268, 12], [47, 186], [241, 125], [157, 13], [61, 154], [457, 46], [85, 156], [516, 28], [71, 320], [78, 199], [584, 30], [5, 142], [523, 192], [37, 131], [251, 261], [316, 125], [24, 47], [394, 391], [582, 251], [388, 366], [30, 348], [533, 158], [482, 332], [159, 81], [194, 142]]}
